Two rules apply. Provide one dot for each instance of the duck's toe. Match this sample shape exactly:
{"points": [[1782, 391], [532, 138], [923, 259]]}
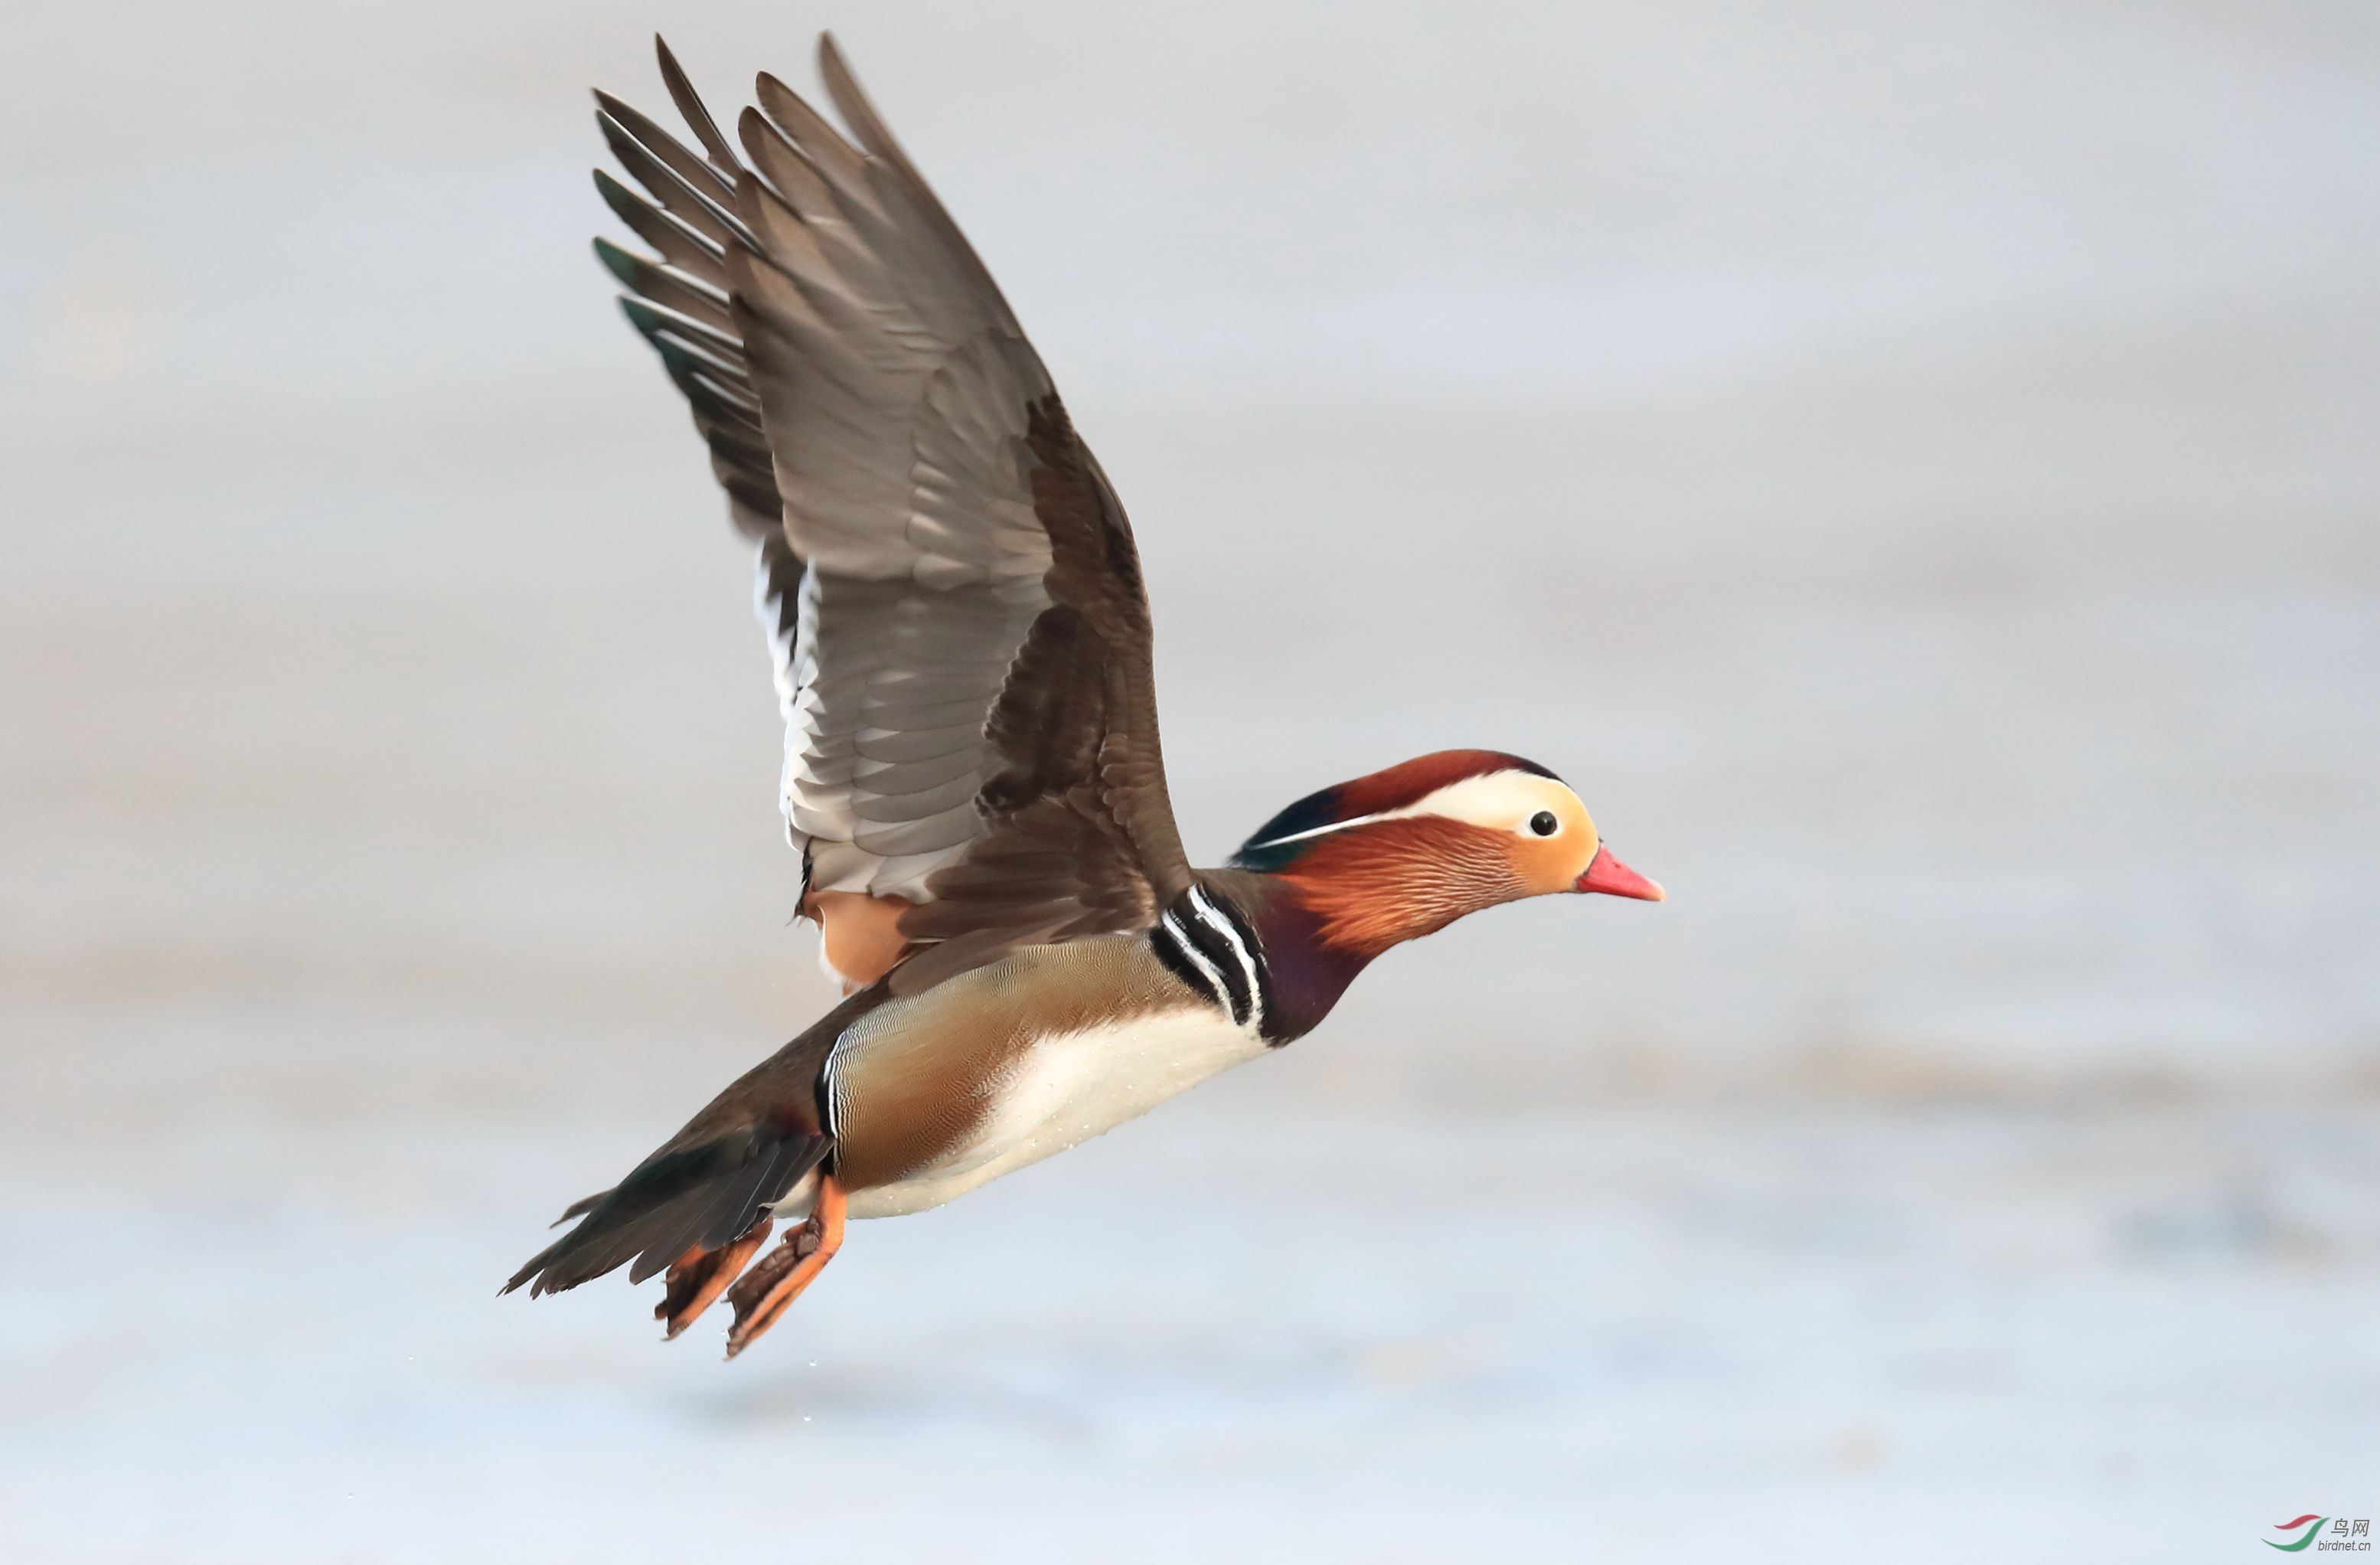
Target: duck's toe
{"points": [[763, 1293], [700, 1275]]}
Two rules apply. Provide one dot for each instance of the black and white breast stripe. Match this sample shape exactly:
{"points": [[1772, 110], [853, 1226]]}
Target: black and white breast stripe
{"points": [[1207, 944]]}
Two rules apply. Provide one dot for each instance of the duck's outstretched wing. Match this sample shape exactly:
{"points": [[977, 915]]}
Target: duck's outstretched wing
{"points": [[965, 639]]}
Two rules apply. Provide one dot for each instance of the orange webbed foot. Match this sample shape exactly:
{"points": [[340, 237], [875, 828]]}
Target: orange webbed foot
{"points": [[700, 1275], [762, 1294]]}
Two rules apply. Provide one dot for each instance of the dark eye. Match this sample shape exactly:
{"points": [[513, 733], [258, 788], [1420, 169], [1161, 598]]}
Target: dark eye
{"points": [[1544, 824]]}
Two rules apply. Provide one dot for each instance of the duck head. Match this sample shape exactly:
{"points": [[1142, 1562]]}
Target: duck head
{"points": [[1405, 852]]}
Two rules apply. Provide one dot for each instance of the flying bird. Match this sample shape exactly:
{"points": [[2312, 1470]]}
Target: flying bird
{"points": [[972, 775]]}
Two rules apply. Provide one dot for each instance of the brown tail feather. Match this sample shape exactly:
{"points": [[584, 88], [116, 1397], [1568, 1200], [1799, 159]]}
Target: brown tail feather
{"points": [[680, 1200]]}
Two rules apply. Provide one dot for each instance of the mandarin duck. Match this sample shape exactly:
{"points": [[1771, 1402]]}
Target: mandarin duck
{"points": [[972, 774]]}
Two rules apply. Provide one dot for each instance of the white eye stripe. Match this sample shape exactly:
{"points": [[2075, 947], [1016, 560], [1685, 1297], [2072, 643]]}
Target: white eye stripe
{"points": [[1334, 826], [1501, 801]]}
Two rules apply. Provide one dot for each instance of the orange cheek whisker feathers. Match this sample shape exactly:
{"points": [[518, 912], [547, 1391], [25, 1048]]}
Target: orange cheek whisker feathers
{"points": [[1376, 886]]}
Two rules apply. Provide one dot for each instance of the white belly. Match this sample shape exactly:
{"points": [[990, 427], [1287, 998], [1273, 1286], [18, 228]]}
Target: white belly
{"points": [[1068, 1088]]}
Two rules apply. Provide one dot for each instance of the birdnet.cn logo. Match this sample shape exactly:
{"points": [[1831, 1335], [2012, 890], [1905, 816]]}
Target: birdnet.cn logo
{"points": [[2309, 1530]]}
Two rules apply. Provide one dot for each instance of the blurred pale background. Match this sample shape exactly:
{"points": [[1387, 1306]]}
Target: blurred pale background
{"points": [[1912, 466]]}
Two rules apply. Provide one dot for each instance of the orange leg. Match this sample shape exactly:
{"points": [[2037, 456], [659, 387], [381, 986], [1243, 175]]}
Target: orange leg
{"points": [[701, 1276], [776, 1282]]}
